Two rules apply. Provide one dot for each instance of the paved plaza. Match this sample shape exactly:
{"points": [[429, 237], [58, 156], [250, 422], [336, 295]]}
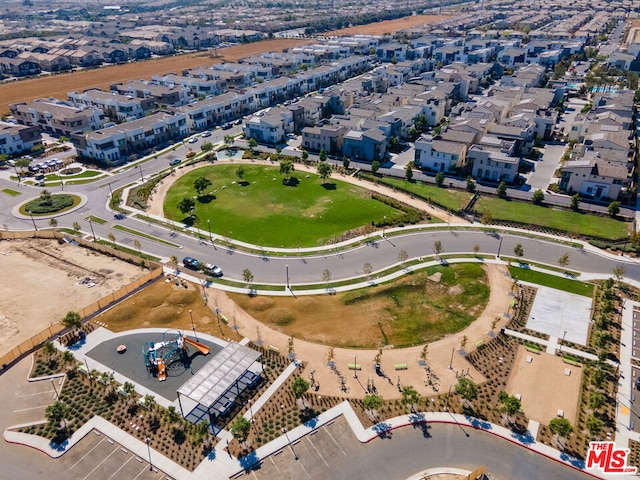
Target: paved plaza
{"points": [[560, 314]]}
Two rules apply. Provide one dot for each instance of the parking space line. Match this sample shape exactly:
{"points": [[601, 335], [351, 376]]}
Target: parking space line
{"points": [[274, 464], [96, 446], [144, 469], [98, 465], [334, 441], [27, 409], [318, 452], [114, 473], [34, 394], [305, 470]]}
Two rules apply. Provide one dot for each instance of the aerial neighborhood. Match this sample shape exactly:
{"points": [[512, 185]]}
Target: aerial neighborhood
{"points": [[254, 239]]}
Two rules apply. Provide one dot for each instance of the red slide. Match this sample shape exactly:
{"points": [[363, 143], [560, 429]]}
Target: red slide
{"points": [[162, 372], [200, 346]]}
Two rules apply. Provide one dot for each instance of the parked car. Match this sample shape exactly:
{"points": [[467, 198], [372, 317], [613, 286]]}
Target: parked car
{"points": [[191, 263], [206, 134], [193, 140], [213, 270]]}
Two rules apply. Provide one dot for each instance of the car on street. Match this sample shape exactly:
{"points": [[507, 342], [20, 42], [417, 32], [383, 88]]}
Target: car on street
{"points": [[193, 140], [174, 161], [213, 270], [226, 126], [191, 263], [206, 134]]}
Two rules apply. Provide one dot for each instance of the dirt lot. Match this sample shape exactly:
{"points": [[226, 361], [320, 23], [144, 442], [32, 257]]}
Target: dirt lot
{"points": [[39, 284], [59, 85], [544, 386], [389, 26]]}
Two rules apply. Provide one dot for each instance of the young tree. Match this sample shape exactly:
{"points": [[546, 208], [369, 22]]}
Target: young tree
{"points": [[463, 342], [324, 170], [57, 413], [408, 172], [229, 139], [323, 155], [206, 147], [614, 208], [372, 402], [594, 425], [476, 249], [186, 205], [111, 237], [538, 197], [326, 275], [619, 272], [510, 404], [76, 226], [471, 185], [437, 248], [345, 162], [560, 427], [247, 276], [375, 166], [367, 269], [596, 401], [402, 256], [201, 184], [467, 388], [240, 429], [563, 261], [502, 189], [410, 396], [53, 222], [252, 143], [439, 179], [240, 172], [518, 251], [299, 387], [575, 202], [72, 320], [137, 245], [487, 217], [305, 156], [286, 168]]}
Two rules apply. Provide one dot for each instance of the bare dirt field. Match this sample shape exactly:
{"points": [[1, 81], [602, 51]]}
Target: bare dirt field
{"points": [[544, 386], [39, 284], [388, 26], [59, 85]]}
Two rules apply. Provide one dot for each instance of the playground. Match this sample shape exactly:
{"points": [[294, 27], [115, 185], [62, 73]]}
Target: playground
{"points": [[181, 357]]}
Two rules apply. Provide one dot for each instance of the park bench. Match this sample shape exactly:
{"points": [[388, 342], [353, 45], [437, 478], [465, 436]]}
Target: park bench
{"points": [[480, 343], [274, 349], [354, 366], [571, 361], [533, 348], [400, 366]]}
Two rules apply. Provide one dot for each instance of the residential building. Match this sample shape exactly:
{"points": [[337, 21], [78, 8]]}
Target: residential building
{"points": [[58, 117], [18, 138]]}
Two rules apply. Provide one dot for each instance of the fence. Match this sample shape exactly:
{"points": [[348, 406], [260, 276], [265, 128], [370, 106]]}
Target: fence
{"points": [[52, 331]]}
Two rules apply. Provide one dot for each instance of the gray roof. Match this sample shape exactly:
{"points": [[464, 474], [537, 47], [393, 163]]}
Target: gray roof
{"points": [[219, 374]]}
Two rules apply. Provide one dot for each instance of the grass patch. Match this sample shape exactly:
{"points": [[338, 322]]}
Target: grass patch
{"points": [[144, 235], [418, 308], [98, 220], [46, 205], [85, 174], [527, 213], [262, 210], [451, 199], [553, 281], [526, 264], [8, 191]]}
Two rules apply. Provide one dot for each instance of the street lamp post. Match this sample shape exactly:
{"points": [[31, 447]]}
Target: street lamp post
{"points": [[355, 366], [148, 440], [284, 430], [193, 325], [384, 223], [61, 182], [209, 227], [255, 427], [563, 335], [451, 360], [55, 390], [92, 232], [140, 168], [110, 191], [446, 409], [287, 274], [33, 221], [499, 247]]}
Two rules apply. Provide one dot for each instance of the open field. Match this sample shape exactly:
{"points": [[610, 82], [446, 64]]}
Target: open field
{"points": [[39, 283], [388, 26], [419, 308], [58, 85], [264, 211], [552, 281]]}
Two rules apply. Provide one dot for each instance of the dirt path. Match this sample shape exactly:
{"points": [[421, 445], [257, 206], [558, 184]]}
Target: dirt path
{"points": [[388, 26], [438, 356]]}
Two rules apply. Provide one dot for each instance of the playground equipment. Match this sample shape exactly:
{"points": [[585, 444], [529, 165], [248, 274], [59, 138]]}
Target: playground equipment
{"points": [[158, 356]]}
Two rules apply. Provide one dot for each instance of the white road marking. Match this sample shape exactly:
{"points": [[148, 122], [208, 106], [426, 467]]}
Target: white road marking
{"points": [[96, 446], [98, 465], [334, 441], [318, 452], [114, 473]]}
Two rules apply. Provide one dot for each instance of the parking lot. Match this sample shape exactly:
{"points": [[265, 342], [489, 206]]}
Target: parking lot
{"points": [[100, 458]]}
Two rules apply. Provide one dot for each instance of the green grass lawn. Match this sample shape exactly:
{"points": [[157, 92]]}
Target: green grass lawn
{"points": [[449, 198], [552, 281], [98, 220], [8, 191], [263, 211], [565, 220], [85, 174]]}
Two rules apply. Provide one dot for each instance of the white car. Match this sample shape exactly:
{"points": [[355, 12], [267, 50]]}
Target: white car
{"points": [[213, 270], [193, 140]]}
